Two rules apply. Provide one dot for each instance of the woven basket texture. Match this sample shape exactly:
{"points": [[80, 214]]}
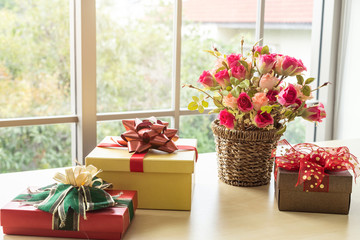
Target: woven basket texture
{"points": [[244, 157]]}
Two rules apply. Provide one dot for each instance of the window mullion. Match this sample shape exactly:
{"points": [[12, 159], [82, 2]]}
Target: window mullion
{"points": [[260, 22], [85, 77], [176, 82]]}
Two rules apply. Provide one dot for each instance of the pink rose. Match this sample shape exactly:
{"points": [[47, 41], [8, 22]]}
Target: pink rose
{"points": [[238, 71], [298, 103], [287, 96], [206, 79], [263, 119], [226, 119], [315, 113], [259, 100], [233, 59], [244, 102], [301, 95], [265, 63], [230, 101], [288, 66], [271, 95], [223, 78], [268, 81], [258, 49]]}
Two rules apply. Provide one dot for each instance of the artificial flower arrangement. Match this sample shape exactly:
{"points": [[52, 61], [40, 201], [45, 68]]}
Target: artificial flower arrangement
{"points": [[251, 92]]}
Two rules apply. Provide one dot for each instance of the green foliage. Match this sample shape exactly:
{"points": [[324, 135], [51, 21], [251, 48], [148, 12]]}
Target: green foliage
{"points": [[306, 90], [309, 80], [300, 79], [265, 50]]}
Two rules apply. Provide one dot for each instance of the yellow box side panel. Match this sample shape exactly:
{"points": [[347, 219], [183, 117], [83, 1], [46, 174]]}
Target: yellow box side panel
{"points": [[170, 191]]}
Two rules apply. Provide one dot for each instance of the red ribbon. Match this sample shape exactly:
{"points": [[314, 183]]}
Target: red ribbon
{"points": [[140, 136], [313, 161]]}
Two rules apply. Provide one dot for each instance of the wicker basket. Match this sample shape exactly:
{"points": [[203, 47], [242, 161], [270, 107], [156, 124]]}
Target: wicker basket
{"points": [[244, 157]]}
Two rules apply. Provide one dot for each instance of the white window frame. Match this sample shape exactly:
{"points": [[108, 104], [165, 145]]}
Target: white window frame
{"points": [[83, 73]]}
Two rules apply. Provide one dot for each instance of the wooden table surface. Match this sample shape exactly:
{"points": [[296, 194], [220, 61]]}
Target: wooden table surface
{"points": [[219, 211]]}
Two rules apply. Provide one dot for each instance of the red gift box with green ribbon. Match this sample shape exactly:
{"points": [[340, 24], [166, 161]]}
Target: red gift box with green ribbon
{"points": [[76, 210], [310, 178]]}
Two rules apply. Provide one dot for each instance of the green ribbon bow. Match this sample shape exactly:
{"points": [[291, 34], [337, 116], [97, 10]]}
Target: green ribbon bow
{"points": [[64, 200]]}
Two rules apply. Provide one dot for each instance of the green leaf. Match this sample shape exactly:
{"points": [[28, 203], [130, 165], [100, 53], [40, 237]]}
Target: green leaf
{"points": [[306, 90], [193, 106], [215, 88], [256, 54], [216, 110], [288, 113], [238, 116], [265, 50], [196, 99], [233, 80], [252, 92], [281, 131], [300, 79], [237, 82], [217, 102], [245, 83], [234, 93], [309, 80], [266, 109], [220, 69], [244, 63], [228, 88], [205, 104], [201, 97], [224, 92], [211, 52], [201, 109]]}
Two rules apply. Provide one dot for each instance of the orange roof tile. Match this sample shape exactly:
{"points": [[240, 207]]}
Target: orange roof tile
{"points": [[244, 11]]}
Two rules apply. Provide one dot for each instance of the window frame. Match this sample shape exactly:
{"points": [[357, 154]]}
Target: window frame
{"points": [[83, 74]]}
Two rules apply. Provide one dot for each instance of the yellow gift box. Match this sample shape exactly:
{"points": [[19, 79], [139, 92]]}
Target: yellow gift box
{"points": [[166, 182]]}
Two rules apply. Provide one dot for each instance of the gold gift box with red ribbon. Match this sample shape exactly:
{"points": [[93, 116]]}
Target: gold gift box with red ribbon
{"points": [[309, 178], [150, 159]]}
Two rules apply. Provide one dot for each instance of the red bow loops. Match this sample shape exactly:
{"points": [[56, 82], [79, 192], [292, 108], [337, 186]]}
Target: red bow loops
{"points": [[313, 161], [140, 136]]}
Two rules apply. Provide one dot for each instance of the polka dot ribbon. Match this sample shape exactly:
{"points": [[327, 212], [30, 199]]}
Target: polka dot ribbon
{"points": [[313, 161]]}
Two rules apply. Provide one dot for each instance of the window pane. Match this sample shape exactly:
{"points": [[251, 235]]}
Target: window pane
{"points": [[134, 54], [35, 147], [116, 128], [34, 58], [288, 31], [199, 127], [212, 23]]}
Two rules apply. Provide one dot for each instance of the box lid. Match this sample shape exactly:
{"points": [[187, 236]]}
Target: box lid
{"points": [[118, 159], [338, 181]]}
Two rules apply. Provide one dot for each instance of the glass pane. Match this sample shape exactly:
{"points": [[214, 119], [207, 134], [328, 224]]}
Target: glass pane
{"points": [[34, 58], [214, 23], [199, 127], [288, 25], [116, 128], [35, 147], [134, 54]]}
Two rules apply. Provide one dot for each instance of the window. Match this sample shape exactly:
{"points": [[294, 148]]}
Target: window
{"points": [[68, 76]]}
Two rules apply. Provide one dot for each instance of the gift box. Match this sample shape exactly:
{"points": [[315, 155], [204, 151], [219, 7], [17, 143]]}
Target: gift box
{"points": [[309, 178], [335, 198], [166, 179], [108, 223]]}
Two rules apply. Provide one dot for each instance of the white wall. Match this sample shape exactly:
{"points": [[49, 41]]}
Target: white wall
{"points": [[347, 114]]}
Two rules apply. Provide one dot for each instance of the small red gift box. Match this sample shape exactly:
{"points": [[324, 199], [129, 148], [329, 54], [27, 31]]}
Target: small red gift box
{"points": [[108, 223]]}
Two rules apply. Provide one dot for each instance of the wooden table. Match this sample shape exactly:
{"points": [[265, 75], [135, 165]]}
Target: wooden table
{"points": [[220, 211]]}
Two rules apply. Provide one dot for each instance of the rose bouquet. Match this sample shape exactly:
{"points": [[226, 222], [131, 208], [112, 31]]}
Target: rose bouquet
{"points": [[251, 92]]}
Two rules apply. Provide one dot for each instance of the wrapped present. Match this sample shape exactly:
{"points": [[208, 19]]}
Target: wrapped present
{"points": [[146, 159], [310, 178], [78, 207]]}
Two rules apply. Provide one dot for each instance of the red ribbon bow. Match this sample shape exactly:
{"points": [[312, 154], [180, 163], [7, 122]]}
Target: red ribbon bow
{"points": [[141, 135], [312, 161]]}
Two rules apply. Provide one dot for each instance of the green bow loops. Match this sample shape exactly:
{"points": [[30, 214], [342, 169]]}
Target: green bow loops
{"points": [[79, 191]]}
